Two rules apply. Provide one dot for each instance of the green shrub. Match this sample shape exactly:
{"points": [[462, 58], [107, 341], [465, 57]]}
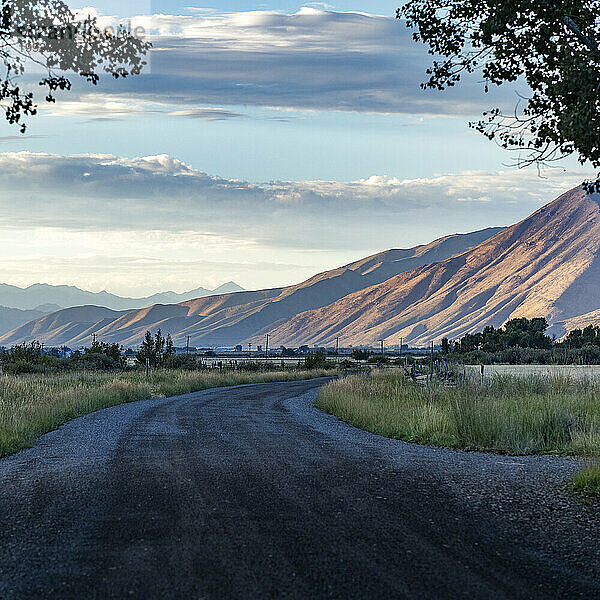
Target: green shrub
{"points": [[188, 362], [22, 367], [315, 360], [587, 482], [358, 354]]}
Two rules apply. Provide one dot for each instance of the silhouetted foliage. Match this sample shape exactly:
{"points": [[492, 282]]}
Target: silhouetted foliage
{"points": [[188, 362], [524, 341], [113, 351], [358, 354], [517, 333], [558, 355], [31, 358], [379, 360], [100, 356], [155, 349], [315, 360], [27, 352], [551, 44], [47, 34], [25, 358], [580, 338], [445, 346]]}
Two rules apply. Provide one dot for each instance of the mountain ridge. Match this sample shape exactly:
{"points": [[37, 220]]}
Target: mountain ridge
{"points": [[546, 265], [39, 295], [14, 317], [230, 319]]}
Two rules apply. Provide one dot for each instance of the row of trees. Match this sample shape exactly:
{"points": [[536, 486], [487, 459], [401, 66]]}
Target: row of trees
{"points": [[31, 358], [519, 341], [524, 341], [517, 333], [156, 351], [582, 338]]}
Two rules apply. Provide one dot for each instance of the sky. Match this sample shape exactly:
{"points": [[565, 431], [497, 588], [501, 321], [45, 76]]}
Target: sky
{"points": [[263, 143]]}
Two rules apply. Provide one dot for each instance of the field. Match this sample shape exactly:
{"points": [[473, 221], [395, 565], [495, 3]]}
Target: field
{"points": [[31, 405], [569, 371], [509, 414], [541, 413]]}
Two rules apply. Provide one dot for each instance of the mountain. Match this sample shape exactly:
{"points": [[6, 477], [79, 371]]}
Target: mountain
{"points": [[227, 288], [67, 324], [10, 318], [229, 319], [547, 265], [42, 296]]}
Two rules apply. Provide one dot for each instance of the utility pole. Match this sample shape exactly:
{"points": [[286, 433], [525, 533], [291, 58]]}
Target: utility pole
{"points": [[402, 360], [382, 347], [431, 376], [187, 348], [337, 346], [267, 347]]}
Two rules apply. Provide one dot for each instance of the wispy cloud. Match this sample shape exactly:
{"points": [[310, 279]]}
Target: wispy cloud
{"points": [[163, 193]]}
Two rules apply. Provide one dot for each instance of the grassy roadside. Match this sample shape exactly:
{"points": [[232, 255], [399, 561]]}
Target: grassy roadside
{"points": [[36, 404], [508, 415]]}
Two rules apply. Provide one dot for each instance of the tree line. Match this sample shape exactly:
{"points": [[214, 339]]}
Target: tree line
{"points": [[156, 351], [525, 341]]}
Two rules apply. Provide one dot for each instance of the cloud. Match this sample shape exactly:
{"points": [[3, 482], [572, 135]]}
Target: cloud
{"points": [[11, 139], [311, 60], [161, 193], [99, 106], [136, 225]]}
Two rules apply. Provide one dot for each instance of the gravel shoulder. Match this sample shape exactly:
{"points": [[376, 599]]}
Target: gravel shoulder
{"points": [[251, 492]]}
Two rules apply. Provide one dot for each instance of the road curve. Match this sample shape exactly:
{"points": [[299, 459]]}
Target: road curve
{"points": [[250, 492]]}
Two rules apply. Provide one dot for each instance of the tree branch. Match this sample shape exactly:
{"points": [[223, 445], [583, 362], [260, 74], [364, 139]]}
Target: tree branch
{"points": [[574, 28]]}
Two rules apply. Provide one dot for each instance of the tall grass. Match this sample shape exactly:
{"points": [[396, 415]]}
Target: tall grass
{"points": [[508, 415], [31, 405]]}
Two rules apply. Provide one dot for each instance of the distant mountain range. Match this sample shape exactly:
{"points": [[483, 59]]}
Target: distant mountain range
{"points": [[547, 265], [21, 305], [50, 298], [229, 319]]}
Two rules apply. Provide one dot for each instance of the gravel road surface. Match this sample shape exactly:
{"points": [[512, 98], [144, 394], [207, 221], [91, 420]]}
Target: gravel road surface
{"points": [[250, 492]]}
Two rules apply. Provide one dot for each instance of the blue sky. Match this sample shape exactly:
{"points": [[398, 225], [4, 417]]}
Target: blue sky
{"points": [[309, 118], [342, 134]]}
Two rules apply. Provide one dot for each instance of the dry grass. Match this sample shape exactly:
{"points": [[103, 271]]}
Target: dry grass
{"points": [[33, 405], [508, 415], [587, 483]]}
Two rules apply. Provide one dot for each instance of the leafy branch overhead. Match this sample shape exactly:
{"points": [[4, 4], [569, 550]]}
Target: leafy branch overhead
{"points": [[46, 34], [551, 45]]}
